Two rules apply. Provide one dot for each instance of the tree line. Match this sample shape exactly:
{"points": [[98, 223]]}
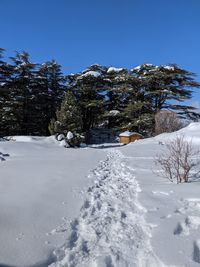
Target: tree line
{"points": [[38, 99]]}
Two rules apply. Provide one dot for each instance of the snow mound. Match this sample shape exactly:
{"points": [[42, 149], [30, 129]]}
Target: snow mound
{"points": [[190, 133], [70, 135], [40, 140], [113, 69]]}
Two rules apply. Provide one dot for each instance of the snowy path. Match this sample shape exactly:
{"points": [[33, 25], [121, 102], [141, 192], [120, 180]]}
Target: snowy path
{"points": [[111, 230]]}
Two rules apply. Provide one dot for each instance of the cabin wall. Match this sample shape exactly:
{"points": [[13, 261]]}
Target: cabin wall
{"points": [[125, 139], [128, 139]]}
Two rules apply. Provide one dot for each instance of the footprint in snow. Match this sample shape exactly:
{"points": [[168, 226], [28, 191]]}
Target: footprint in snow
{"points": [[166, 216], [190, 223], [160, 193], [196, 251], [3, 156], [20, 236]]}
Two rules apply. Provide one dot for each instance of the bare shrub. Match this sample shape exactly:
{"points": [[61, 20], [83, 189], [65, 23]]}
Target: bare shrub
{"points": [[167, 121], [179, 160]]}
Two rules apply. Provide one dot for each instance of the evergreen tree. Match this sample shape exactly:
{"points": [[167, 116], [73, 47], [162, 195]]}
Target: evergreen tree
{"points": [[52, 89], [8, 120], [50, 94], [32, 97], [166, 85], [68, 117], [87, 88], [116, 89], [125, 95], [23, 94]]}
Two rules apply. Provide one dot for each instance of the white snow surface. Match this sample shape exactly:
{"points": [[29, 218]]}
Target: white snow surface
{"points": [[168, 67], [93, 207], [91, 73], [41, 189], [114, 112], [113, 69], [70, 135], [127, 133]]}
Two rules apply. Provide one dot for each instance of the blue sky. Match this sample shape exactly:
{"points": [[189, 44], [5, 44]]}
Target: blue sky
{"points": [[123, 33]]}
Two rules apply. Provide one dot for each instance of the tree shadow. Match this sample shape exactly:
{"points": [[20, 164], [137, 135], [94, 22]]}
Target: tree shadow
{"points": [[3, 158], [106, 146], [44, 263]]}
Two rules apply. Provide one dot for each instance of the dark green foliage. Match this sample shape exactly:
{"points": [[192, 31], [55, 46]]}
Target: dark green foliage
{"points": [[76, 140], [51, 91], [68, 116], [165, 85], [87, 88], [29, 95], [33, 99]]}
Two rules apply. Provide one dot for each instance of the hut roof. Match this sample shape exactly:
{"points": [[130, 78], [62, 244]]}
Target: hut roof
{"points": [[127, 133]]}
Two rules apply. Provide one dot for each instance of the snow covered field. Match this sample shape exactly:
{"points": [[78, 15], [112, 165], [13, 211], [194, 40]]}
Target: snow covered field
{"points": [[95, 207]]}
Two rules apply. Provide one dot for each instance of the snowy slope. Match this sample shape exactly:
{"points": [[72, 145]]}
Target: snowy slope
{"points": [[95, 207], [173, 209]]}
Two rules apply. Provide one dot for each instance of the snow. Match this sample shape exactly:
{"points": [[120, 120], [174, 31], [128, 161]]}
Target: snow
{"points": [[41, 187], [107, 228], [70, 135], [113, 69], [60, 137], [97, 206], [190, 133], [114, 112], [127, 133], [137, 68], [149, 65], [167, 67], [91, 73], [107, 80]]}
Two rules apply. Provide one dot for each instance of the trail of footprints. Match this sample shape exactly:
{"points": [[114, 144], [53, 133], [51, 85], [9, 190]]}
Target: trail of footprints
{"points": [[106, 221], [107, 232]]}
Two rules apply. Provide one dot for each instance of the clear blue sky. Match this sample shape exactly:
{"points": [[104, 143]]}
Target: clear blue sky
{"points": [[123, 33]]}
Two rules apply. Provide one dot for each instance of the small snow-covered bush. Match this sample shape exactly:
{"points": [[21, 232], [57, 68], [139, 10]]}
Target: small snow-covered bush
{"points": [[179, 161], [60, 137], [70, 135], [70, 139], [74, 140]]}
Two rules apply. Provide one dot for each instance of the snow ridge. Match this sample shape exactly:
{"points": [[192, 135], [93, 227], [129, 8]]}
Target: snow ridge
{"points": [[111, 230]]}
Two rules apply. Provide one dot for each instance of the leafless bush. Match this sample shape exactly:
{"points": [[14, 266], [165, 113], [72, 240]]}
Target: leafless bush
{"points": [[167, 121], [179, 160]]}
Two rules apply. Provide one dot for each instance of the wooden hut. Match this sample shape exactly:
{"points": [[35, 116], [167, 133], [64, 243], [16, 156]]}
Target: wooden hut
{"points": [[127, 137]]}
